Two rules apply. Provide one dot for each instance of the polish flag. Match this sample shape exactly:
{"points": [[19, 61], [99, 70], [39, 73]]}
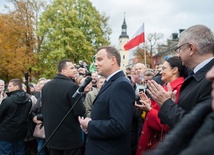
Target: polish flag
{"points": [[136, 40]]}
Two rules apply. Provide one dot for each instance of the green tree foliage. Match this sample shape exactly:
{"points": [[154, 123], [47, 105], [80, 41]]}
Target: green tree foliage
{"points": [[72, 29]]}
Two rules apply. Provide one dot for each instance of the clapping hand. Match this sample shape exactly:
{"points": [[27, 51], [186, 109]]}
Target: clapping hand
{"points": [[159, 94], [145, 102]]}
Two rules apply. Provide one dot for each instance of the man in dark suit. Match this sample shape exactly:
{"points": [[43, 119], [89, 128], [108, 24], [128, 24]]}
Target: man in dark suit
{"points": [[196, 48], [56, 102], [109, 129]]}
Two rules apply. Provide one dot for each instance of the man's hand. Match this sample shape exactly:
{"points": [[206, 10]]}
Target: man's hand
{"points": [[84, 123], [158, 93], [145, 102], [35, 120]]}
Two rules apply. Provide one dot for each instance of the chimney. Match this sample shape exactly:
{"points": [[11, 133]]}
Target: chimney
{"points": [[174, 36], [181, 30]]}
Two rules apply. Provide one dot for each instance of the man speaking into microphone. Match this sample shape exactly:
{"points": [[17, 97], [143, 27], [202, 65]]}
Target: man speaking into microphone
{"points": [[57, 99]]}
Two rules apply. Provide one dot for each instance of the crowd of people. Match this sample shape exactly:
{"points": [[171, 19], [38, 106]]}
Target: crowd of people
{"points": [[153, 111]]}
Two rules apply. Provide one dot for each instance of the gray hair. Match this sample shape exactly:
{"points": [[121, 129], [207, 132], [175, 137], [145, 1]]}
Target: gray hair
{"points": [[2, 81], [201, 36]]}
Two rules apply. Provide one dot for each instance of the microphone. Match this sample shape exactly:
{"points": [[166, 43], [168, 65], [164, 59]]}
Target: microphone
{"points": [[82, 87]]}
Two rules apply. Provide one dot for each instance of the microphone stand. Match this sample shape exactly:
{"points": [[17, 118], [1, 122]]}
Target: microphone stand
{"points": [[60, 123]]}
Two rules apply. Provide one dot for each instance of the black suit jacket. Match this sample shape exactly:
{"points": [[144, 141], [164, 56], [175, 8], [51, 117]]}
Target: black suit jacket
{"points": [[109, 132], [195, 90]]}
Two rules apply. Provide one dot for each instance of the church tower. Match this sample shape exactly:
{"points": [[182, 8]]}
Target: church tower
{"points": [[123, 39]]}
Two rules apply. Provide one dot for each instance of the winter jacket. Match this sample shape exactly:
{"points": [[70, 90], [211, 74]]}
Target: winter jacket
{"points": [[14, 116]]}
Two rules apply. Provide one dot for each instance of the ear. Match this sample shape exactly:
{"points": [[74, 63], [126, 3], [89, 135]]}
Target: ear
{"points": [[113, 60], [17, 87], [63, 72], [175, 70], [192, 49]]}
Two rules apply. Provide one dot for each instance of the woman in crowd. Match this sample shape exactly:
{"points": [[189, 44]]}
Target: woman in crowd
{"points": [[173, 73]]}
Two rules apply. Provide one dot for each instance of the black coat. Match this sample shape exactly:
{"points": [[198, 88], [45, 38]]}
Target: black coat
{"points": [[56, 102], [14, 116], [195, 90], [191, 135]]}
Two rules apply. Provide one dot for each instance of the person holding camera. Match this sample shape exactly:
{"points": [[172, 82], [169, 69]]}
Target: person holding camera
{"points": [[37, 118]]}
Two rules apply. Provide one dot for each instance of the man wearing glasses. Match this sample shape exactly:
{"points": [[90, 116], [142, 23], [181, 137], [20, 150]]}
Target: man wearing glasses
{"points": [[196, 48]]}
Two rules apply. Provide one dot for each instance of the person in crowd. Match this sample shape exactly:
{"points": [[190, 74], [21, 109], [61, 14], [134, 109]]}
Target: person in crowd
{"points": [[90, 96], [128, 73], [94, 77], [87, 89], [37, 118], [173, 73], [37, 111], [82, 71], [57, 100], [32, 88], [195, 47], [194, 134], [148, 75], [78, 79], [2, 90], [39, 87], [139, 70], [14, 116], [137, 123], [109, 128], [136, 79], [30, 141]]}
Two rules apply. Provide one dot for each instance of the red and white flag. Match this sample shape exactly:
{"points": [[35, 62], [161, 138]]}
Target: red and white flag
{"points": [[136, 40]]}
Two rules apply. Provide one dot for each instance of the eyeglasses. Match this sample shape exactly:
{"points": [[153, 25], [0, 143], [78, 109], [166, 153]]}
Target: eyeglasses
{"points": [[178, 48]]}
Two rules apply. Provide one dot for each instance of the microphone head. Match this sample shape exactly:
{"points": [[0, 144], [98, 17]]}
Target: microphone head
{"points": [[85, 83], [88, 79]]}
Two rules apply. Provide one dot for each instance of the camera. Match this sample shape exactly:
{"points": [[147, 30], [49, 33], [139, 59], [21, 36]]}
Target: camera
{"points": [[141, 90], [137, 99]]}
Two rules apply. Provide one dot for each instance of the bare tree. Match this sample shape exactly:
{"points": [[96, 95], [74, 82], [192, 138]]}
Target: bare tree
{"points": [[152, 39]]}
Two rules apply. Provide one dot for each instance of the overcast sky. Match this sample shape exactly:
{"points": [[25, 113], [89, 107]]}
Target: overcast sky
{"points": [[161, 16]]}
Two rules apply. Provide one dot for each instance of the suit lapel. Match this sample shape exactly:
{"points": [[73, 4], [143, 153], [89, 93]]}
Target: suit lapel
{"points": [[109, 82], [199, 75]]}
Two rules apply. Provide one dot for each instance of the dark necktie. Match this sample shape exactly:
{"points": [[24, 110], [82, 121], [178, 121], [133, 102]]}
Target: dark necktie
{"points": [[104, 83], [190, 74]]}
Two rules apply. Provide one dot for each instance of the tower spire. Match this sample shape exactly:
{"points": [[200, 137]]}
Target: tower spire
{"points": [[124, 29]]}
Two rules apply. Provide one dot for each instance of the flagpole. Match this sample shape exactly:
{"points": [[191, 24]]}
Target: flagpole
{"points": [[144, 55], [144, 46]]}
